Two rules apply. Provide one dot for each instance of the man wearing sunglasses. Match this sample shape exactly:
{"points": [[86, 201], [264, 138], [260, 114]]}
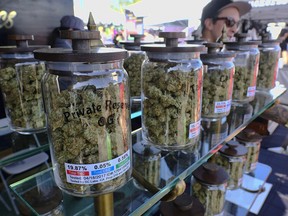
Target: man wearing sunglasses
{"points": [[219, 14]]}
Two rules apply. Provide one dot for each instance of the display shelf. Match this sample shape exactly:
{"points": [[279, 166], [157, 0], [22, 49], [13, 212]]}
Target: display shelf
{"points": [[241, 201], [30, 145], [176, 165]]}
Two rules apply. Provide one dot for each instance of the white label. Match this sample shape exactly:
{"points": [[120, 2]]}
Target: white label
{"points": [[194, 130], [251, 91], [99, 172], [222, 106]]}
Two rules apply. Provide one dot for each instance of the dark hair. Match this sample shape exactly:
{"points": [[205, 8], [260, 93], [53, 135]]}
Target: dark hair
{"points": [[213, 8]]}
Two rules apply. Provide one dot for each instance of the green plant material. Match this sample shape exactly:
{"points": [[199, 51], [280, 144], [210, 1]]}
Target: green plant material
{"points": [[252, 156], [21, 88], [244, 78], [87, 125], [268, 68], [216, 88], [148, 167], [172, 101], [212, 197], [132, 65], [234, 167]]}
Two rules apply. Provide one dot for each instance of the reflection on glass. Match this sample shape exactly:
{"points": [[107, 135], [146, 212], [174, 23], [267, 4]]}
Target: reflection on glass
{"points": [[238, 115], [262, 99], [44, 197], [146, 161], [213, 132]]}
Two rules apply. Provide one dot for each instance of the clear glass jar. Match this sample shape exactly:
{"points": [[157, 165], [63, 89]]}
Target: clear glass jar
{"points": [[209, 186], [252, 141], [246, 69], [232, 157], [217, 81], [133, 63], [171, 93], [268, 65], [146, 161], [20, 81], [214, 132], [87, 104], [239, 114]]}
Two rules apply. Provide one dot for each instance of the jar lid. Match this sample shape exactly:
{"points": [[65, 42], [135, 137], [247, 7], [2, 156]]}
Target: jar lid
{"points": [[195, 41], [183, 205], [210, 173], [81, 50], [145, 150], [241, 39], [268, 42], [249, 135], [213, 51], [234, 149], [171, 44], [134, 45], [22, 44]]}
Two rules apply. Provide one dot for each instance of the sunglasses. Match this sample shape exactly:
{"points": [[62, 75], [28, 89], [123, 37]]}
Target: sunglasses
{"points": [[229, 21]]}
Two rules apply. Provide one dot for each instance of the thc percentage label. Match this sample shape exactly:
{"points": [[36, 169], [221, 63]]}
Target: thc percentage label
{"points": [[99, 172]]}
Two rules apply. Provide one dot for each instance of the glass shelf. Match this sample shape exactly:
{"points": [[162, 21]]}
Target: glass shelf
{"points": [[17, 147], [174, 166]]}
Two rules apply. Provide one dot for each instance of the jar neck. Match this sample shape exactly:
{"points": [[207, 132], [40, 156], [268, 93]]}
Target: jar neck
{"points": [[169, 56], [83, 67]]}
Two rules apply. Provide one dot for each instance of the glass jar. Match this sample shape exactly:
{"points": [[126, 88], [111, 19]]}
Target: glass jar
{"points": [[133, 63], [20, 81], [87, 104], [246, 69], [239, 114], [268, 65], [209, 186], [252, 141], [232, 157], [171, 93], [217, 82], [146, 161], [214, 132]]}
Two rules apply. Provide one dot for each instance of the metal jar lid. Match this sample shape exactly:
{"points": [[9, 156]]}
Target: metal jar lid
{"points": [[183, 205], [171, 46], [22, 45], [213, 51], [134, 45], [145, 150], [233, 149], [249, 135], [210, 173], [81, 50]]}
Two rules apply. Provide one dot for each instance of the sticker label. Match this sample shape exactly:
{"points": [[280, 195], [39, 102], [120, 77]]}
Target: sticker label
{"points": [[99, 172], [251, 91], [194, 129], [222, 106]]}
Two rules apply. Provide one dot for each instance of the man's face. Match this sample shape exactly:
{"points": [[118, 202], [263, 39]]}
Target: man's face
{"points": [[227, 17]]}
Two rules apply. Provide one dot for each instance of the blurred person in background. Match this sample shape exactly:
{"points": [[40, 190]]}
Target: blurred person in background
{"points": [[219, 15], [68, 22]]}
